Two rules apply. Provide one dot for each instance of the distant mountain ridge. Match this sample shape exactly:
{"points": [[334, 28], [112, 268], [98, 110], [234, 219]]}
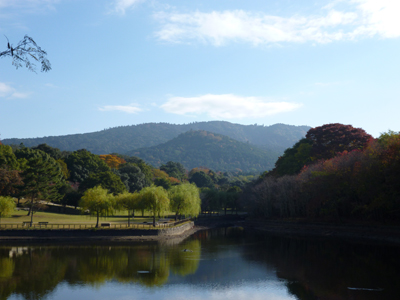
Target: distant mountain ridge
{"points": [[196, 148], [124, 139]]}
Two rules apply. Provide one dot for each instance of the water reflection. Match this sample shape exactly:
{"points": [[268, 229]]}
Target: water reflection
{"points": [[331, 269], [226, 263], [34, 272]]}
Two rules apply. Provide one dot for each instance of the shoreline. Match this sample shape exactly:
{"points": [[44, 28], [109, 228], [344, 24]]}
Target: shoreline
{"points": [[376, 234], [121, 236]]}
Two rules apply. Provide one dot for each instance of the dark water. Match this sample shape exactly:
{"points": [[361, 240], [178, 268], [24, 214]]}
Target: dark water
{"points": [[226, 263]]}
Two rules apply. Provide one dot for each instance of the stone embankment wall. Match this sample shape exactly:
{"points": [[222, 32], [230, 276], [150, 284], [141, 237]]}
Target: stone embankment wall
{"points": [[59, 233], [176, 230]]}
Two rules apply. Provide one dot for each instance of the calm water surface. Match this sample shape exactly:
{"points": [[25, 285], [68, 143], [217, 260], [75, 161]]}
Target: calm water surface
{"points": [[227, 263]]}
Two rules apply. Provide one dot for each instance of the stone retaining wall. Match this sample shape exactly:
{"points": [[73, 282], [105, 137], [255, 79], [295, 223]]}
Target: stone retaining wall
{"points": [[58, 233], [176, 230]]}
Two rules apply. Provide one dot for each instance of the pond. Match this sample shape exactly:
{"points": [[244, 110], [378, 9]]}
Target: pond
{"points": [[225, 263]]}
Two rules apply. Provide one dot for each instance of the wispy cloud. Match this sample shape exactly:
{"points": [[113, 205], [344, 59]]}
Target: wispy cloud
{"points": [[131, 109], [8, 92], [120, 6], [5, 89], [28, 4], [361, 18], [328, 84], [227, 106], [50, 85]]}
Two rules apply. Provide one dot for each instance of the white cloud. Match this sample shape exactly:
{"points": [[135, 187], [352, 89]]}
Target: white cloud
{"points": [[19, 95], [227, 106], [120, 6], [361, 18], [131, 109], [6, 91], [379, 17]]}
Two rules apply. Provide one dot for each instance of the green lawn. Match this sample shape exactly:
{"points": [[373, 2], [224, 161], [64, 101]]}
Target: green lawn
{"points": [[57, 218]]}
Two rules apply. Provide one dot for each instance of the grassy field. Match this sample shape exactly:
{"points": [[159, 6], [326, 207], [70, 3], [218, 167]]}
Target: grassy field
{"points": [[120, 217], [57, 218]]}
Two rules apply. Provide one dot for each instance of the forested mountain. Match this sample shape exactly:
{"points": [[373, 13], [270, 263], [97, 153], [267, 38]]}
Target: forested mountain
{"points": [[214, 151], [123, 139]]}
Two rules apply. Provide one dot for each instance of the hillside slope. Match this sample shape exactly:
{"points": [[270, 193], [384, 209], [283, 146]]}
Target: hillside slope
{"points": [[122, 139], [214, 151]]}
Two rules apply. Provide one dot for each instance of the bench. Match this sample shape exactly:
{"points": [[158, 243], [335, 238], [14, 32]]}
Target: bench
{"points": [[26, 223], [43, 223], [105, 224], [165, 221], [149, 223]]}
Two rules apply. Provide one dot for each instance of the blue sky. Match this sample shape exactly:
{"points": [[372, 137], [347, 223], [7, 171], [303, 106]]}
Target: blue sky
{"points": [[124, 62]]}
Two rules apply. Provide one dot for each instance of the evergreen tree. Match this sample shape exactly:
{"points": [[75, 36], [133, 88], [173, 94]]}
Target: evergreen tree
{"points": [[42, 177], [174, 169], [107, 180], [82, 163], [132, 176], [201, 179]]}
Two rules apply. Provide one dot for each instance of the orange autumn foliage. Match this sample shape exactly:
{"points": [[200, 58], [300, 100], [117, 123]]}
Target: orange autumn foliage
{"points": [[199, 169], [112, 161], [157, 173]]}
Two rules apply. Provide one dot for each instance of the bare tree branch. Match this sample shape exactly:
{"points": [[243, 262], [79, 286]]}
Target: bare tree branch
{"points": [[24, 51]]}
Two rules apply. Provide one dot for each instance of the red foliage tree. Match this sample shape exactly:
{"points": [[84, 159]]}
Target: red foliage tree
{"points": [[9, 182], [331, 139], [329, 185]]}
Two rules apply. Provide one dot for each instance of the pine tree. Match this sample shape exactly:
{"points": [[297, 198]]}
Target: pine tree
{"points": [[42, 177]]}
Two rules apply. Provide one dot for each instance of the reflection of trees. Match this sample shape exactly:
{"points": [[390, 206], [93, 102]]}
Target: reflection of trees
{"points": [[6, 268], [157, 273], [6, 271], [185, 263], [37, 271], [35, 274], [325, 269], [146, 265], [312, 269], [104, 265]]}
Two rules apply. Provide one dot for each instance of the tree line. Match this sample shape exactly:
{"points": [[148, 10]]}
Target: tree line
{"points": [[102, 183], [336, 173]]}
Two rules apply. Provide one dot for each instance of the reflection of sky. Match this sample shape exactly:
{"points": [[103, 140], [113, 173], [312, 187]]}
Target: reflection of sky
{"points": [[226, 268], [263, 289]]}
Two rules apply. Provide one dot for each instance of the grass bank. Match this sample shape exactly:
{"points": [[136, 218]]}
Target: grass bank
{"points": [[18, 217]]}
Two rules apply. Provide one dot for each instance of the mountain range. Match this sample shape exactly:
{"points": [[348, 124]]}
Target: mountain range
{"points": [[124, 139], [218, 145], [196, 148]]}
